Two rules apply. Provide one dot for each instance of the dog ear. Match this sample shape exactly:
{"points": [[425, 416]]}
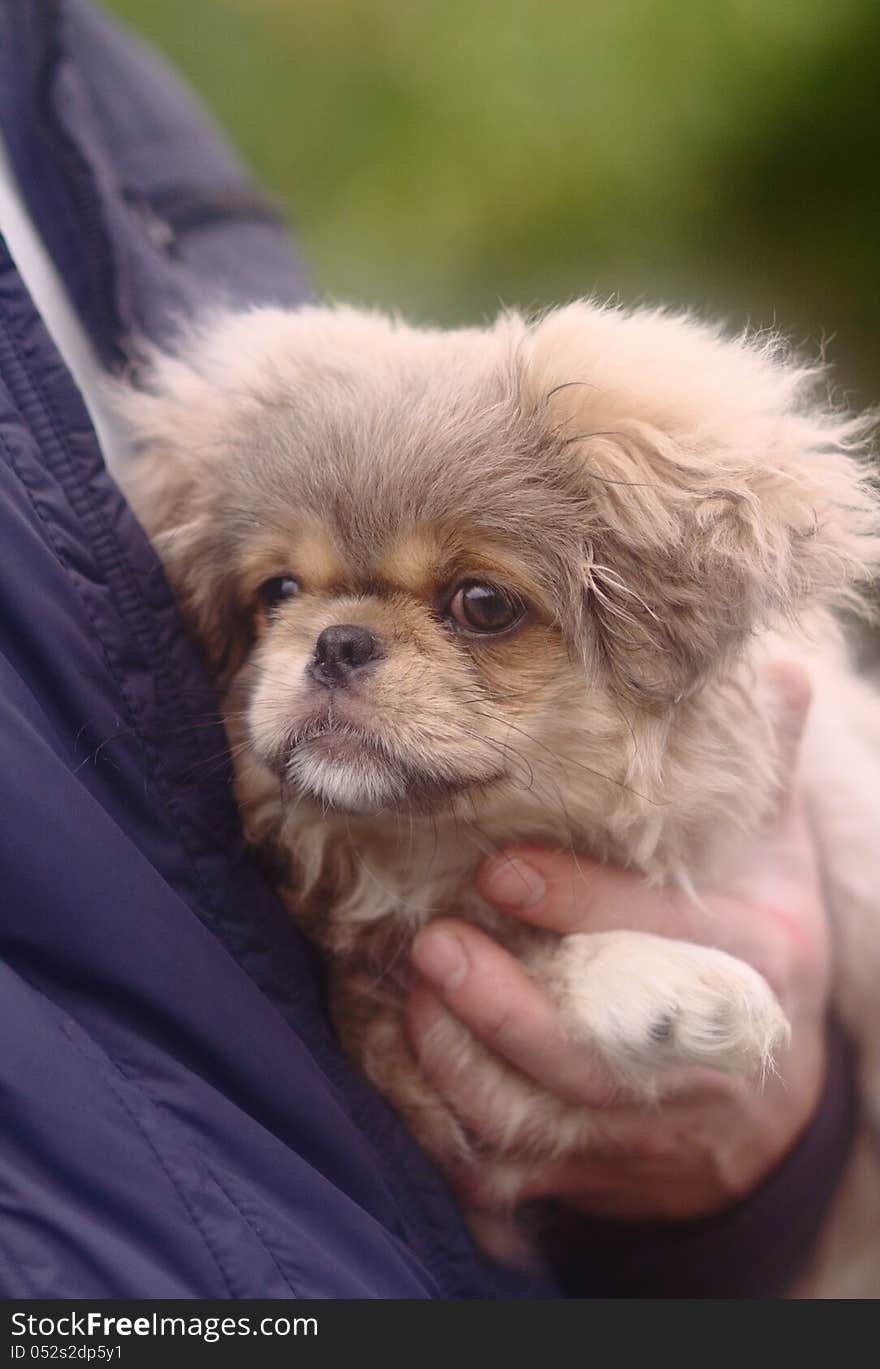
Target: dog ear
{"points": [[188, 409], [166, 477], [718, 494]]}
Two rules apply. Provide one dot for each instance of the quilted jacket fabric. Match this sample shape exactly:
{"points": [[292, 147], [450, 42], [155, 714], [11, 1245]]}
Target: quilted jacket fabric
{"points": [[177, 1120]]}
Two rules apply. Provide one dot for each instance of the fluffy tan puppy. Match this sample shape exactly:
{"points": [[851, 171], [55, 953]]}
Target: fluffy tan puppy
{"points": [[525, 583]]}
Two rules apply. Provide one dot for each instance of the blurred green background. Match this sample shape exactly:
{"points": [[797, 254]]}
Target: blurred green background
{"points": [[441, 156]]}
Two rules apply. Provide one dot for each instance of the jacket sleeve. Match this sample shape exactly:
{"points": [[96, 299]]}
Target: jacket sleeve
{"points": [[177, 1119]]}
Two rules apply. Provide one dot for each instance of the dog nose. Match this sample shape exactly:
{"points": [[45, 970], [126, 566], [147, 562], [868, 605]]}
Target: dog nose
{"points": [[341, 650]]}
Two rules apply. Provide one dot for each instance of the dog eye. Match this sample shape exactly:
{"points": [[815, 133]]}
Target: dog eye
{"points": [[483, 608], [273, 592]]}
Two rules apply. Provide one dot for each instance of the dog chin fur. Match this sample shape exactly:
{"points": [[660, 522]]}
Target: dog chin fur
{"points": [[362, 784], [677, 510]]}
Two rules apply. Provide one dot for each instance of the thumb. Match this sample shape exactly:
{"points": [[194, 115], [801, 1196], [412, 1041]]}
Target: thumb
{"points": [[781, 868], [791, 694]]}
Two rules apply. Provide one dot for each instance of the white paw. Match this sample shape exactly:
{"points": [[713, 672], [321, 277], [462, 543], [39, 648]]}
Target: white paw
{"points": [[649, 1004]]}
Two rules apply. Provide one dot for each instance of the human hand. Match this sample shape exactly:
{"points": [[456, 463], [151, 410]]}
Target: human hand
{"points": [[715, 1137]]}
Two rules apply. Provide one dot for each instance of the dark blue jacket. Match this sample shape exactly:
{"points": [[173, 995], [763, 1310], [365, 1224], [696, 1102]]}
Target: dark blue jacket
{"points": [[176, 1118]]}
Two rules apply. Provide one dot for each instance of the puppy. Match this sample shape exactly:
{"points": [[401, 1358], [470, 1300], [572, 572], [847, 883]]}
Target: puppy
{"points": [[526, 583]]}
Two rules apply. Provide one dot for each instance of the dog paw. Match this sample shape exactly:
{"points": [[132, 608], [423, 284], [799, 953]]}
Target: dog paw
{"points": [[649, 1004]]}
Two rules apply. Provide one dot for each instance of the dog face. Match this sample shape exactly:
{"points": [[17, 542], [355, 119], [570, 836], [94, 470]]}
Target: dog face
{"points": [[394, 680], [434, 568]]}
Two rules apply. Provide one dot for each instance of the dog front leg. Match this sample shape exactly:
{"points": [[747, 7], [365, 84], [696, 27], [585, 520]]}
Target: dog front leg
{"points": [[648, 1004]]}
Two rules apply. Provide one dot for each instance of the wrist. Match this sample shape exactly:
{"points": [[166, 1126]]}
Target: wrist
{"points": [[779, 1116], [753, 1249]]}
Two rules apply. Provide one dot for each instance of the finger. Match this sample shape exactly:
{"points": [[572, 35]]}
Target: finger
{"points": [[608, 1180], [628, 1189], [471, 1095], [766, 916], [779, 874], [481, 1097], [567, 893], [492, 994], [595, 1187], [775, 904], [791, 696], [627, 1165]]}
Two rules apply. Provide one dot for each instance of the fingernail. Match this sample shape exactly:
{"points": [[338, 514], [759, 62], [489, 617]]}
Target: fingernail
{"points": [[441, 958], [514, 884]]}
